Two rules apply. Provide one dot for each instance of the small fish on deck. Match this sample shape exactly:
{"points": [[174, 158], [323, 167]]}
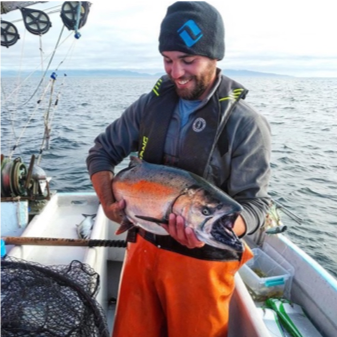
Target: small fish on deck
{"points": [[85, 227]]}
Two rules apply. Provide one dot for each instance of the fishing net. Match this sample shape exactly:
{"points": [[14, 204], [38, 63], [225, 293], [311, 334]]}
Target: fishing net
{"points": [[48, 301]]}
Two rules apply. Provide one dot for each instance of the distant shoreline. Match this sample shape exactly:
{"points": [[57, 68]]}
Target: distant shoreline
{"points": [[135, 74], [129, 73]]}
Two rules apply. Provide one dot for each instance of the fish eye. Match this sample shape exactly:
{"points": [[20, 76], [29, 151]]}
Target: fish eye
{"points": [[205, 211]]}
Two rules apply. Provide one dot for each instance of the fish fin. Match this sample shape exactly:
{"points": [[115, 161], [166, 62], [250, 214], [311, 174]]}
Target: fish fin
{"points": [[125, 226], [148, 218], [134, 161]]}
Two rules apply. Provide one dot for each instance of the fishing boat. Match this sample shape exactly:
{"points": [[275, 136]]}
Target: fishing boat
{"points": [[299, 278], [280, 292]]}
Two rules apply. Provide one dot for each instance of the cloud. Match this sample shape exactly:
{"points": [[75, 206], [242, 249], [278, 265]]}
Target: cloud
{"points": [[291, 37]]}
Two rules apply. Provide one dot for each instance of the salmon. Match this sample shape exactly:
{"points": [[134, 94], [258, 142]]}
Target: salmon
{"points": [[151, 192]]}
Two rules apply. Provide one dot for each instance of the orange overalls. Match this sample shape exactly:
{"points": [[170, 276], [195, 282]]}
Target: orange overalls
{"points": [[166, 294]]}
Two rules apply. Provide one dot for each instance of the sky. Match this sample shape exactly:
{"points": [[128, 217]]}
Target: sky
{"points": [[289, 37]]}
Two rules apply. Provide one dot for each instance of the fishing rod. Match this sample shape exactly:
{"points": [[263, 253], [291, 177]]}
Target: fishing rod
{"points": [[39, 241]]}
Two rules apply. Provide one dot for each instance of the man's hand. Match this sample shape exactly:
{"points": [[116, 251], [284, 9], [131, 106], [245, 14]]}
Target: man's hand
{"points": [[183, 234], [115, 211], [239, 227], [102, 182]]}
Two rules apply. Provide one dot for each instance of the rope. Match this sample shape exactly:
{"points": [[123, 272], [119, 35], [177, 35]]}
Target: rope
{"points": [[29, 120], [6, 109], [31, 74], [57, 100], [79, 5], [46, 123], [41, 51], [70, 50], [47, 118], [44, 74]]}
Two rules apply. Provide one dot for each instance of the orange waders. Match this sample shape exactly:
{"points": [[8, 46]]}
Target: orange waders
{"points": [[166, 294]]}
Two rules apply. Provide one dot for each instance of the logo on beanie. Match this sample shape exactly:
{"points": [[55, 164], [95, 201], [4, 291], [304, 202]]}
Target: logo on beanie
{"points": [[190, 33]]}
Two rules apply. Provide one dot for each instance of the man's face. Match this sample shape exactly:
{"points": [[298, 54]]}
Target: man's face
{"points": [[193, 75]]}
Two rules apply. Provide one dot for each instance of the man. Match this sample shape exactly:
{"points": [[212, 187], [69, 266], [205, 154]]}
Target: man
{"points": [[194, 118]]}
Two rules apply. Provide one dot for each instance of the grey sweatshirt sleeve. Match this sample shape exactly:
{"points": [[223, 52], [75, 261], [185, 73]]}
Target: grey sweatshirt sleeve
{"points": [[250, 165], [119, 139]]}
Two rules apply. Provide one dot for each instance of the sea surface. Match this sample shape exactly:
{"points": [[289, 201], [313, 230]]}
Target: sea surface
{"points": [[302, 113]]}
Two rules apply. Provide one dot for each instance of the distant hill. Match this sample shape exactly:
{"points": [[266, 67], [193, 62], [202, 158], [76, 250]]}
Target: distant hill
{"points": [[109, 73], [249, 73], [128, 73], [244, 73], [82, 73]]}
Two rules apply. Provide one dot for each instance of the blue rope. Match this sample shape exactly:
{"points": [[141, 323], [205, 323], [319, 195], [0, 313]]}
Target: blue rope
{"points": [[77, 33]]}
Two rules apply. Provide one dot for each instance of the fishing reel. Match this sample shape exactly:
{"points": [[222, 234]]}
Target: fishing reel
{"points": [[19, 181], [13, 174]]}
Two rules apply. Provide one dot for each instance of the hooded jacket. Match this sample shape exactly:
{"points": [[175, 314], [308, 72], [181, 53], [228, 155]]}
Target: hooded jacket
{"points": [[225, 141]]}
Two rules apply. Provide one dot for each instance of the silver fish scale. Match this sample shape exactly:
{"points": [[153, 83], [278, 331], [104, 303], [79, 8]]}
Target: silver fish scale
{"points": [[204, 206]]}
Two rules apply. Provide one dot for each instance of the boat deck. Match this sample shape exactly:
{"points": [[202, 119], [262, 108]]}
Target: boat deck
{"points": [[311, 286]]}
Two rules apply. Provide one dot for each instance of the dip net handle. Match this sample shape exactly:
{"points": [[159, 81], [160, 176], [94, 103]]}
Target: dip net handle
{"points": [[39, 241]]}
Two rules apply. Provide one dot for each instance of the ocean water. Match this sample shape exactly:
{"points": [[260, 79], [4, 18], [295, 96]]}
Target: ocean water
{"points": [[302, 114]]}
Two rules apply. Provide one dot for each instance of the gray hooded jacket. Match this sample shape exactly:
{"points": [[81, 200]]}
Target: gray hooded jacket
{"points": [[239, 163]]}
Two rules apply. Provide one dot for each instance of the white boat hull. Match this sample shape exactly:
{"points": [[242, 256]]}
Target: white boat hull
{"points": [[313, 288]]}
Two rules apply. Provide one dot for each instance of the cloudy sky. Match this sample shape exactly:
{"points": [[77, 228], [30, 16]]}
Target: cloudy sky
{"points": [[291, 37]]}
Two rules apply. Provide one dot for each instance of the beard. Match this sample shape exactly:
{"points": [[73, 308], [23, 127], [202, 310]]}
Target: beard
{"points": [[201, 83], [194, 93]]}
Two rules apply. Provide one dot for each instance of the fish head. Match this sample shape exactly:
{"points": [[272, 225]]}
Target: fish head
{"points": [[212, 214]]}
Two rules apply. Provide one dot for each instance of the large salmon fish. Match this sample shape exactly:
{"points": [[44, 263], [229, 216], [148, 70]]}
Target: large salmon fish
{"points": [[152, 192]]}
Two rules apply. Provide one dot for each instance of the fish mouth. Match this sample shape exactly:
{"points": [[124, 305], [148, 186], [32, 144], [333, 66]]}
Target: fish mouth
{"points": [[222, 231], [222, 235], [225, 222]]}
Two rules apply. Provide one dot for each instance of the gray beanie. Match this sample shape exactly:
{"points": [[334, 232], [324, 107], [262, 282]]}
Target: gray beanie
{"points": [[193, 27]]}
